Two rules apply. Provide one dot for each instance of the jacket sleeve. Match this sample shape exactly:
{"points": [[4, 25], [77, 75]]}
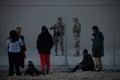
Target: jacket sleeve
{"points": [[38, 42], [51, 42]]}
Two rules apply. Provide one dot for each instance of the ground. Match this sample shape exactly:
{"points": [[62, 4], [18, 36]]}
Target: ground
{"points": [[62, 74]]}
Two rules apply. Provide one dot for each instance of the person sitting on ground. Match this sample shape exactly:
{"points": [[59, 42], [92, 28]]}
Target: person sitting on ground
{"points": [[32, 70], [87, 63]]}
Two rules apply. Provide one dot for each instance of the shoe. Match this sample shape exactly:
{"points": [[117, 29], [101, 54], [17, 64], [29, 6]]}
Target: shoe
{"points": [[97, 70], [43, 73], [47, 72], [18, 74], [10, 74], [72, 71]]}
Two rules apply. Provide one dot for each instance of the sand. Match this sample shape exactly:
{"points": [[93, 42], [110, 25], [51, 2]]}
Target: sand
{"points": [[61, 74]]}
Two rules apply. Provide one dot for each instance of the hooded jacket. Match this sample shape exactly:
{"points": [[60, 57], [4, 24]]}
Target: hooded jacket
{"points": [[44, 41], [98, 46]]}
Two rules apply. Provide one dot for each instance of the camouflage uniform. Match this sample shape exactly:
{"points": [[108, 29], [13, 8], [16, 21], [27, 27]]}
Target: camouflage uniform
{"points": [[58, 35], [76, 34]]}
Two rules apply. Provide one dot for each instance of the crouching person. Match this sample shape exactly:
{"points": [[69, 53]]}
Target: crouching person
{"points": [[87, 63], [31, 70]]}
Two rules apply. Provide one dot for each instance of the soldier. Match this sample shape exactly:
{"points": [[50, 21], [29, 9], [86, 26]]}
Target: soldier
{"points": [[76, 34], [58, 35]]}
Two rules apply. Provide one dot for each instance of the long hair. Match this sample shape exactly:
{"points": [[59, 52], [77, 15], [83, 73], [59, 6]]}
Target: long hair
{"points": [[13, 36]]}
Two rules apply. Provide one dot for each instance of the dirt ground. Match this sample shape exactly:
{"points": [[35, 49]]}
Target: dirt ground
{"points": [[60, 74]]}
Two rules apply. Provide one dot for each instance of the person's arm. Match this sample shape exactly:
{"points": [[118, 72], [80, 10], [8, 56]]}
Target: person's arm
{"points": [[21, 42], [51, 41], [38, 43], [83, 61], [7, 45], [53, 27]]}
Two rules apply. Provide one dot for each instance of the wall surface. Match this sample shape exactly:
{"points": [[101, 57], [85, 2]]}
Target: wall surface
{"points": [[30, 15]]}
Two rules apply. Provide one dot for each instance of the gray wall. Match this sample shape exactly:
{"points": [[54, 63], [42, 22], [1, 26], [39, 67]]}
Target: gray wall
{"points": [[32, 14]]}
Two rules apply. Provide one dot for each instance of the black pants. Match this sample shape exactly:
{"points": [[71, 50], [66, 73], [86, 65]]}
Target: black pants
{"points": [[14, 63], [76, 68], [83, 68]]}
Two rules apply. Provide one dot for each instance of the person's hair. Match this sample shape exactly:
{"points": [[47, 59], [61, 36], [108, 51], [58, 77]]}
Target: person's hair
{"points": [[85, 51], [14, 36], [30, 63], [19, 28], [44, 28], [95, 28]]}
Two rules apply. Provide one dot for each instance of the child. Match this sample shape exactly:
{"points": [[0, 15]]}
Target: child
{"points": [[32, 70]]}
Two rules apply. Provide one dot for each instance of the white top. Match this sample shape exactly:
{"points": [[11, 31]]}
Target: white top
{"points": [[14, 47]]}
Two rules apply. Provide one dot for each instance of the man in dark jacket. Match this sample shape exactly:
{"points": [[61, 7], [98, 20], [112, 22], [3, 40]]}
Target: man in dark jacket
{"points": [[87, 63], [44, 45], [23, 49], [97, 47]]}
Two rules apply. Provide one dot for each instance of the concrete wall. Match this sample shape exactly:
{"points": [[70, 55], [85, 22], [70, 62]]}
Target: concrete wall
{"points": [[32, 14]]}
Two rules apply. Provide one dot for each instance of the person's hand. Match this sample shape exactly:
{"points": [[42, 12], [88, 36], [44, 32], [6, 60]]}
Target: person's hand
{"points": [[92, 38]]}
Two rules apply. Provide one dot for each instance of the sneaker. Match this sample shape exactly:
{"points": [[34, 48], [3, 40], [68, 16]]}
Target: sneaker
{"points": [[97, 70], [10, 74]]}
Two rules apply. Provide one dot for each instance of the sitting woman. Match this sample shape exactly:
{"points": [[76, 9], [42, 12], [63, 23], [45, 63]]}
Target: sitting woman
{"points": [[32, 70], [87, 63]]}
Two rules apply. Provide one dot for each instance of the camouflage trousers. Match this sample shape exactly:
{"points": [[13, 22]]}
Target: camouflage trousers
{"points": [[59, 40], [77, 45]]}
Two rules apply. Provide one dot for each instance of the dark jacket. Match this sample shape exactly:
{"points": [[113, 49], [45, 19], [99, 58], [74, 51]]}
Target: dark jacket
{"points": [[44, 42], [98, 46], [31, 70], [87, 63]]}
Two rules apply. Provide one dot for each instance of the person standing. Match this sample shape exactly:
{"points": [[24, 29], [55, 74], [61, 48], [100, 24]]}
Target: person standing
{"points": [[97, 47], [76, 34], [23, 49], [59, 30], [14, 44], [44, 45]]}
